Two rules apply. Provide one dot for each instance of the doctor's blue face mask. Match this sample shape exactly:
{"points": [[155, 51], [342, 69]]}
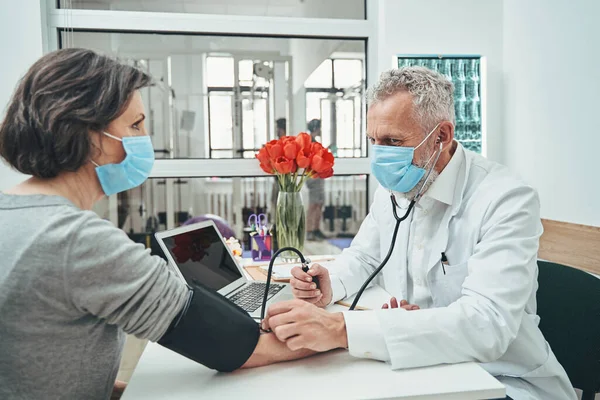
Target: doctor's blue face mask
{"points": [[393, 167], [133, 170]]}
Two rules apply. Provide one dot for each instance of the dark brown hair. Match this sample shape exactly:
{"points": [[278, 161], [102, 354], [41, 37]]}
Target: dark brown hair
{"points": [[64, 96]]}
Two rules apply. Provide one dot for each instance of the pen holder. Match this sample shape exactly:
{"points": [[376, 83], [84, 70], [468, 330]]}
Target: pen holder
{"points": [[261, 247]]}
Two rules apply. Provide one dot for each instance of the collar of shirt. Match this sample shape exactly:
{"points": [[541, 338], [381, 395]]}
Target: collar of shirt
{"points": [[442, 189]]}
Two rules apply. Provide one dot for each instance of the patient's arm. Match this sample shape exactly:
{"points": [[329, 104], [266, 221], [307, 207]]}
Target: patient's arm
{"points": [[269, 350]]}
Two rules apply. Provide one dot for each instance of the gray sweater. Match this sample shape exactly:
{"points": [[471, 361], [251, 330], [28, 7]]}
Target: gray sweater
{"points": [[71, 284]]}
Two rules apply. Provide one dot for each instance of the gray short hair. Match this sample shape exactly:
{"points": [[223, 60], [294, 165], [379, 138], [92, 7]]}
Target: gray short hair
{"points": [[432, 93]]}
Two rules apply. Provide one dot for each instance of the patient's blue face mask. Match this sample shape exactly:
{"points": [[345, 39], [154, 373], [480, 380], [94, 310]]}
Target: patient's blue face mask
{"points": [[133, 170], [393, 167]]}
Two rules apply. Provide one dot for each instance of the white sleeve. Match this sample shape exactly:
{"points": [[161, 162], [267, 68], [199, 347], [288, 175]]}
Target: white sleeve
{"points": [[337, 288], [482, 323], [365, 336]]}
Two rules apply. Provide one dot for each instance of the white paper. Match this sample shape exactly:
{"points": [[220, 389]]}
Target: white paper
{"points": [[372, 298]]}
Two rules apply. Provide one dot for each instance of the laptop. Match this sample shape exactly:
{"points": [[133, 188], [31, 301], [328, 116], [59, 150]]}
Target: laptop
{"points": [[198, 254]]}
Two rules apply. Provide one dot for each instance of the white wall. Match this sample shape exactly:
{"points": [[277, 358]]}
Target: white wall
{"points": [[450, 27], [23, 19], [551, 103]]}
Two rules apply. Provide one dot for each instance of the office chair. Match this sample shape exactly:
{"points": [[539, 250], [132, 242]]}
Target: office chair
{"points": [[568, 302]]}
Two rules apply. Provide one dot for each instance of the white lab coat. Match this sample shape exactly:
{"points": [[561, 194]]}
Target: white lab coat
{"points": [[484, 307]]}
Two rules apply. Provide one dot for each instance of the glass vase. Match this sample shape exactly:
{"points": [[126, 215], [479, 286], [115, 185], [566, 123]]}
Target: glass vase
{"points": [[291, 224]]}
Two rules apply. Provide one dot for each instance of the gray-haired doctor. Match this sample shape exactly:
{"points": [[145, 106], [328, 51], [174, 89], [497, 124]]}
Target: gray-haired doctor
{"points": [[466, 254]]}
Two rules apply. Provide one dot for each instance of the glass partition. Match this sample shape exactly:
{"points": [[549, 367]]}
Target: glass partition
{"points": [[221, 96], [144, 210]]}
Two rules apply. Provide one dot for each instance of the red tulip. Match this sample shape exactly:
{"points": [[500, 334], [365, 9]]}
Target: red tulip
{"points": [[265, 161], [304, 158], [285, 166], [263, 156], [268, 168], [322, 161], [315, 147], [326, 174], [290, 150], [275, 149], [304, 140]]}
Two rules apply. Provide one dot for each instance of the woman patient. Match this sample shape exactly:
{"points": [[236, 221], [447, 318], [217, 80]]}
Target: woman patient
{"points": [[72, 284]]}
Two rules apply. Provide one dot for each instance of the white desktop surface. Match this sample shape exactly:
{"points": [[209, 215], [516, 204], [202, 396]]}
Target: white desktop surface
{"points": [[163, 374]]}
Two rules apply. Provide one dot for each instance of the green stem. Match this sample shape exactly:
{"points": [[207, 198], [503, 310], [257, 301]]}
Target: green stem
{"points": [[304, 178]]}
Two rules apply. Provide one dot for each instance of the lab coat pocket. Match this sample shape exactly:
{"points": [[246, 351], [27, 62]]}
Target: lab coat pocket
{"points": [[449, 285]]}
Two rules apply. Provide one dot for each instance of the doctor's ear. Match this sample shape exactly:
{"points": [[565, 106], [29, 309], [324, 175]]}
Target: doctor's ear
{"points": [[446, 133]]}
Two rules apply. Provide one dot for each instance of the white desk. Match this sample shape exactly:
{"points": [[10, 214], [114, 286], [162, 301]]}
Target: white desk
{"points": [[163, 374]]}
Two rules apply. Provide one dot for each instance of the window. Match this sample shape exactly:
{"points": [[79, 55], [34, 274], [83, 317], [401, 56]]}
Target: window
{"points": [[335, 95], [197, 132], [247, 116], [219, 96], [348, 9]]}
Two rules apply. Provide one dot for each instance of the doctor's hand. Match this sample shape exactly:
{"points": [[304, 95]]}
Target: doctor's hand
{"points": [[305, 289], [303, 325], [403, 304]]}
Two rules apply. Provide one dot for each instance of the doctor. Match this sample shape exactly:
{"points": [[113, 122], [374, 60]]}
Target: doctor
{"points": [[477, 305]]}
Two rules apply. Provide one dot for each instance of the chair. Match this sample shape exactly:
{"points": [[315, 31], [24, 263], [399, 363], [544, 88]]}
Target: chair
{"points": [[569, 307]]}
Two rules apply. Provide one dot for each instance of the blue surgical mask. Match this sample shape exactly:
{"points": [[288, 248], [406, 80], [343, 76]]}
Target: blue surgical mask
{"points": [[393, 167], [133, 170]]}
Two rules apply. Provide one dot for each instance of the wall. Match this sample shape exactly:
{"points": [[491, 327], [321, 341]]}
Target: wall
{"points": [[450, 27], [23, 19], [551, 103]]}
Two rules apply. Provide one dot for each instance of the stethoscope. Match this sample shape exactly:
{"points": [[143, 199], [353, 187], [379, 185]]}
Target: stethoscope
{"points": [[305, 261], [396, 228]]}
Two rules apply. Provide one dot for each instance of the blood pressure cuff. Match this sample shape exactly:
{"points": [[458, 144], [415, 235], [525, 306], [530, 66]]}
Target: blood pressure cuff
{"points": [[213, 332]]}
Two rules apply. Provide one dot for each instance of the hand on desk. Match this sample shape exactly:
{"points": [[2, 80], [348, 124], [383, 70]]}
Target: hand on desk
{"points": [[303, 325], [305, 289], [403, 304]]}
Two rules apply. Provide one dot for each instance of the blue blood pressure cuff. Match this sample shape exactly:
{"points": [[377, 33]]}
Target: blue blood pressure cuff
{"points": [[212, 331]]}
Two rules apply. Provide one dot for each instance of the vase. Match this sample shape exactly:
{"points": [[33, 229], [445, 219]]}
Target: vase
{"points": [[291, 224]]}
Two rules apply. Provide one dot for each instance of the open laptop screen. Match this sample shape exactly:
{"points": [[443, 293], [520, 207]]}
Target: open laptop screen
{"points": [[203, 258]]}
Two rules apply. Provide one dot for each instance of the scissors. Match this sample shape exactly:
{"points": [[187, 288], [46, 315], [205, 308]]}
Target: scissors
{"points": [[257, 222]]}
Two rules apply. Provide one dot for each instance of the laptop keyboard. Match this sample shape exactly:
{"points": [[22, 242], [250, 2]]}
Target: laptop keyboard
{"points": [[251, 296]]}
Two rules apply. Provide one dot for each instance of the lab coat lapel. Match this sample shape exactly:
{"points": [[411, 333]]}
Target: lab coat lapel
{"points": [[395, 274], [440, 240]]}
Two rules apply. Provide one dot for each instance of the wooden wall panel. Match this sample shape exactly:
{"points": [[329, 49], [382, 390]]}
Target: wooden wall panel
{"points": [[571, 244]]}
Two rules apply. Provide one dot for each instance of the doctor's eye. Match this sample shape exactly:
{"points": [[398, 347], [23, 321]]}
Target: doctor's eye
{"points": [[393, 142], [371, 140]]}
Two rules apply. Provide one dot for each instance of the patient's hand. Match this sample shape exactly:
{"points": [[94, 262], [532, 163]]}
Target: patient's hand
{"points": [[118, 390], [403, 304], [269, 350]]}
